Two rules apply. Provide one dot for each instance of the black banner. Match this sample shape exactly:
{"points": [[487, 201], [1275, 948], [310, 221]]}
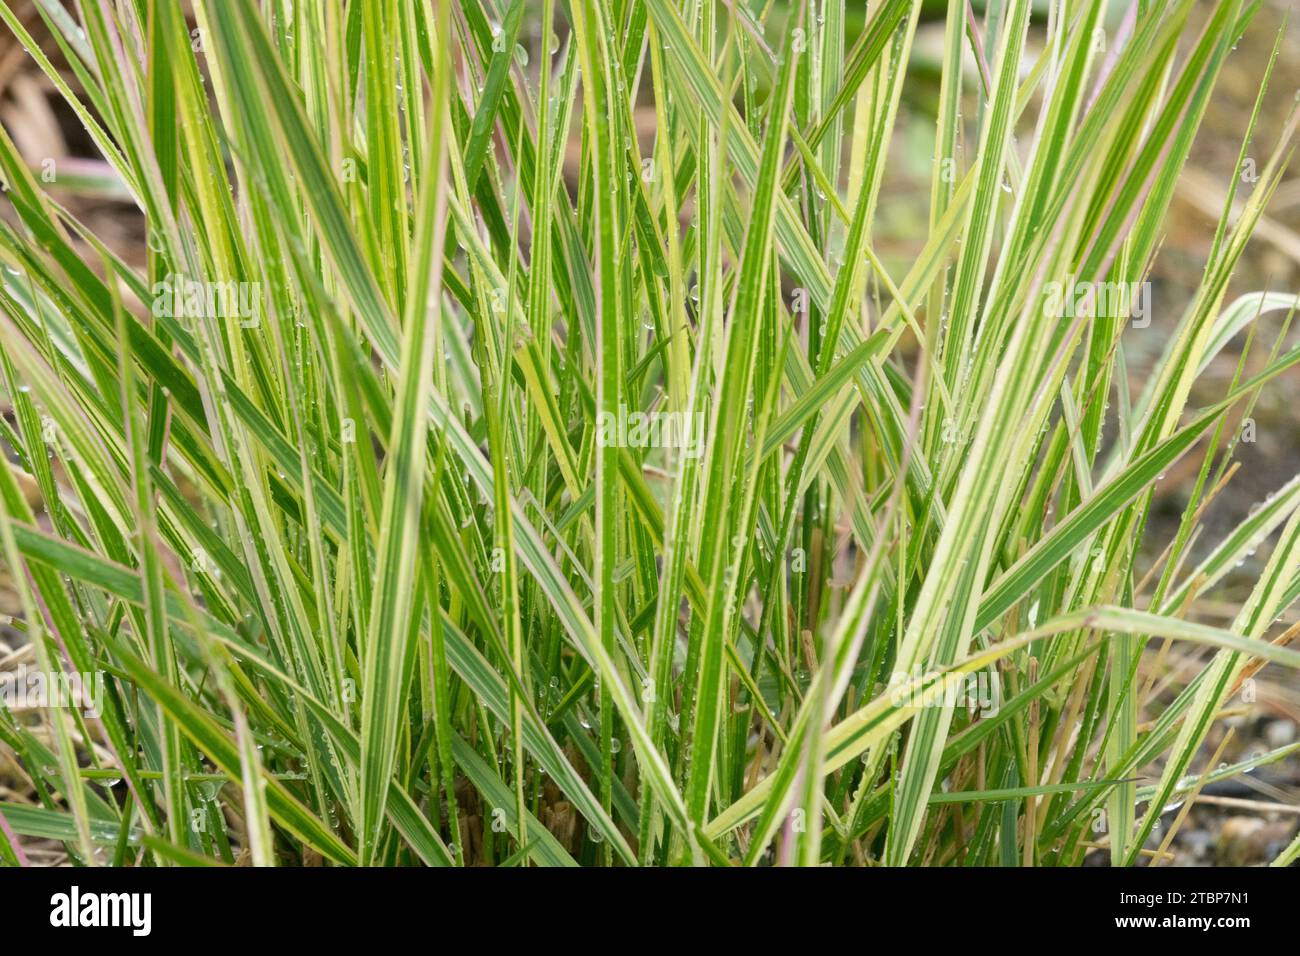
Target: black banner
{"points": [[333, 906]]}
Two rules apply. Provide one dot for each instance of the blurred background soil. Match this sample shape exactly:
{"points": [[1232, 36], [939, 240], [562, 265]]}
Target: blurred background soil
{"points": [[1241, 822]]}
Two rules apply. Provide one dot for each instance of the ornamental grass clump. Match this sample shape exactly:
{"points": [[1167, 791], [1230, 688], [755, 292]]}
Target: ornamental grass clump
{"points": [[511, 441]]}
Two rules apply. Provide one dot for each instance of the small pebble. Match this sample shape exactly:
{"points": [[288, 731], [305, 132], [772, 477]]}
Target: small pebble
{"points": [[1280, 733], [1248, 840]]}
